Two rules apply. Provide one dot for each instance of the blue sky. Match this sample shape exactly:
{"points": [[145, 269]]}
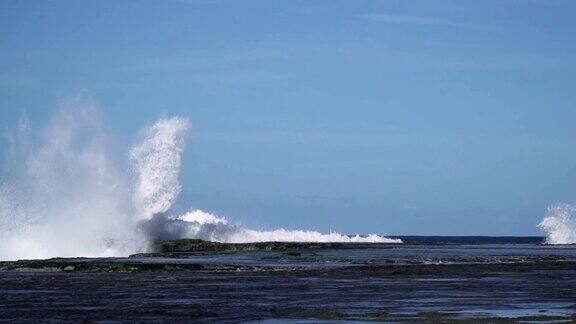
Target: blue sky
{"points": [[399, 117]]}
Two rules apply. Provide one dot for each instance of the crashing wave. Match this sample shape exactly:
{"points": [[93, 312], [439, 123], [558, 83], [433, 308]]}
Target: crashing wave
{"points": [[206, 226], [559, 224], [157, 162], [62, 194]]}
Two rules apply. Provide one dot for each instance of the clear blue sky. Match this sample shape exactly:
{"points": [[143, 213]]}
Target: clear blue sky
{"points": [[399, 117]]}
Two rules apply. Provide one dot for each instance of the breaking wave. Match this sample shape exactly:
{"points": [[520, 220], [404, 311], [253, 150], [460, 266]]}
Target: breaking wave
{"points": [[559, 224], [206, 226], [62, 194], [157, 162]]}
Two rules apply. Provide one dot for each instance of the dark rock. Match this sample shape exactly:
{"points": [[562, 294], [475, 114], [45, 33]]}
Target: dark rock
{"points": [[188, 245]]}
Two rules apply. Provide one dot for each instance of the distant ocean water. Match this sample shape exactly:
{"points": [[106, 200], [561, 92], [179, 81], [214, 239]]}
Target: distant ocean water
{"points": [[472, 240]]}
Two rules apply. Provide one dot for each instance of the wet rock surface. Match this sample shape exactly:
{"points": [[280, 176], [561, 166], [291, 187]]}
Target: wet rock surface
{"points": [[494, 283], [206, 246]]}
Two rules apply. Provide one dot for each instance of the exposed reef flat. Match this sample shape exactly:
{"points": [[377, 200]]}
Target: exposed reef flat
{"points": [[207, 246], [194, 254], [191, 245], [206, 281]]}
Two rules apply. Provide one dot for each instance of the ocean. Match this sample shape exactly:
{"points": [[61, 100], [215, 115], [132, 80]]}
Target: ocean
{"points": [[86, 236], [424, 279]]}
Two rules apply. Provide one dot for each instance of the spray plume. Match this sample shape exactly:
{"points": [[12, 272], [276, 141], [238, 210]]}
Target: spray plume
{"points": [[61, 194], [559, 224]]}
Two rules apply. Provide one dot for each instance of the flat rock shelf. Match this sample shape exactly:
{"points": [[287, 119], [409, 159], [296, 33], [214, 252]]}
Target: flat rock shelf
{"points": [[301, 282]]}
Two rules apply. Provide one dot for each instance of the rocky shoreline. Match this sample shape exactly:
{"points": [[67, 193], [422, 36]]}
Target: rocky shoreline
{"points": [[192, 280], [196, 255], [192, 245]]}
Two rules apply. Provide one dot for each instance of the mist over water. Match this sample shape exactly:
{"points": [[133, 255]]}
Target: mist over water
{"points": [[559, 224], [63, 194]]}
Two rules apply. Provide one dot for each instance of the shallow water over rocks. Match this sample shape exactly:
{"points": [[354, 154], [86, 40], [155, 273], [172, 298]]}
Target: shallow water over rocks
{"points": [[354, 282]]}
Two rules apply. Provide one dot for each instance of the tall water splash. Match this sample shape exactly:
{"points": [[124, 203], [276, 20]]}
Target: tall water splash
{"points": [[157, 162], [559, 224], [62, 195]]}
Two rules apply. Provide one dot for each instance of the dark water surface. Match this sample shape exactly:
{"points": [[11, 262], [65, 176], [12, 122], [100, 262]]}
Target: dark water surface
{"points": [[489, 282]]}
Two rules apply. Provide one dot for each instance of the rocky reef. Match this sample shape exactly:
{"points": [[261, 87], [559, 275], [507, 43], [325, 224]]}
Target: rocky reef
{"points": [[194, 280], [191, 245]]}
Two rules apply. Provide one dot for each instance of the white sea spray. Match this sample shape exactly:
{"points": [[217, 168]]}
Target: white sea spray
{"points": [[63, 195]]}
